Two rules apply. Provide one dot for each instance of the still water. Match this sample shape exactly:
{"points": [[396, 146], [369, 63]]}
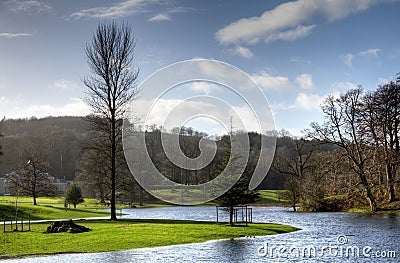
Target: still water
{"points": [[325, 237]]}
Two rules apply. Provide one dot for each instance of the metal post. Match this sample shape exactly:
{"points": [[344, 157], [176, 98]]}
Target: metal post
{"points": [[217, 213], [246, 215], [4, 224], [29, 221], [22, 221]]}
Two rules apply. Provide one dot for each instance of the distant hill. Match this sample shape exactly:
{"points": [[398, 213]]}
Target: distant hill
{"points": [[58, 140], [35, 127], [61, 142]]}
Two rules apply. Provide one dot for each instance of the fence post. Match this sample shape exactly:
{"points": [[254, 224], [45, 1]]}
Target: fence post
{"points": [[4, 224], [22, 221], [246, 216], [29, 221]]}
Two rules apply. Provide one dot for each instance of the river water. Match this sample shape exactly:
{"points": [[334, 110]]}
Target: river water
{"points": [[325, 237]]}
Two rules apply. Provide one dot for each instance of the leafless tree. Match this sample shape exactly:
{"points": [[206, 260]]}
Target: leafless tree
{"points": [[297, 161], [305, 183], [111, 86], [32, 179], [292, 192], [343, 129], [381, 116], [93, 175]]}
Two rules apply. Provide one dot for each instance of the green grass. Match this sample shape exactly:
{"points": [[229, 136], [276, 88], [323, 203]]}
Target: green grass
{"points": [[365, 209], [125, 234], [393, 207], [49, 208], [271, 197]]}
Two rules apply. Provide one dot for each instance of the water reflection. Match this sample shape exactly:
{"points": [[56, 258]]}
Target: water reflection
{"points": [[381, 232]]}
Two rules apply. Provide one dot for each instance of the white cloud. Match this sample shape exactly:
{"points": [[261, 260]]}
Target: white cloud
{"points": [[371, 52], [63, 85], [284, 21], [344, 86], [76, 107], [203, 87], [282, 106], [19, 108], [121, 9], [10, 35], [4, 100], [268, 82], [348, 59], [300, 60], [305, 82], [249, 120], [290, 35], [129, 7], [160, 17], [28, 6], [243, 52], [166, 16], [309, 101], [175, 112]]}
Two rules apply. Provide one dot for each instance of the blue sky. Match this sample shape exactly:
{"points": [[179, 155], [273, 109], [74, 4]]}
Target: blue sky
{"points": [[298, 51]]}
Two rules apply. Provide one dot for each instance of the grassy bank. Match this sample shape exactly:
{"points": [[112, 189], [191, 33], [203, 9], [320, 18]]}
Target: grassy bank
{"points": [[272, 197], [48, 208], [53, 208], [393, 207], [125, 234]]}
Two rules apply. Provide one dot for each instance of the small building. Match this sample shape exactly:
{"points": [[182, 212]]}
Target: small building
{"points": [[4, 186], [61, 185]]}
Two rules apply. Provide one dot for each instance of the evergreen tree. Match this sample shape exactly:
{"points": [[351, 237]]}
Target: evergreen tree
{"points": [[74, 195], [239, 194]]}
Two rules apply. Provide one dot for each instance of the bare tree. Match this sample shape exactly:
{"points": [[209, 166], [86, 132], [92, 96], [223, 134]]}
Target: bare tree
{"points": [[299, 161], [305, 182], [32, 179], [382, 121], [92, 175], [111, 85], [292, 191], [342, 128]]}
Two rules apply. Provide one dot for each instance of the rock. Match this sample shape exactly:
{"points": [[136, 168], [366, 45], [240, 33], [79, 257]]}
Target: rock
{"points": [[66, 226]]}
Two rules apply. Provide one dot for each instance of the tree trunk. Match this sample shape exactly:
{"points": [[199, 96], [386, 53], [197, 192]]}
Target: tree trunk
{"points": [[113, 166], [34, 200], [371, 199], [370, 196], [389, 183], [231, 215], [140, 196]]}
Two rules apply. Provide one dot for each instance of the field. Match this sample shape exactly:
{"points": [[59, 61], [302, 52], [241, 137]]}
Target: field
{"points": [[48, 208], [125, 234], [271, 197]]}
